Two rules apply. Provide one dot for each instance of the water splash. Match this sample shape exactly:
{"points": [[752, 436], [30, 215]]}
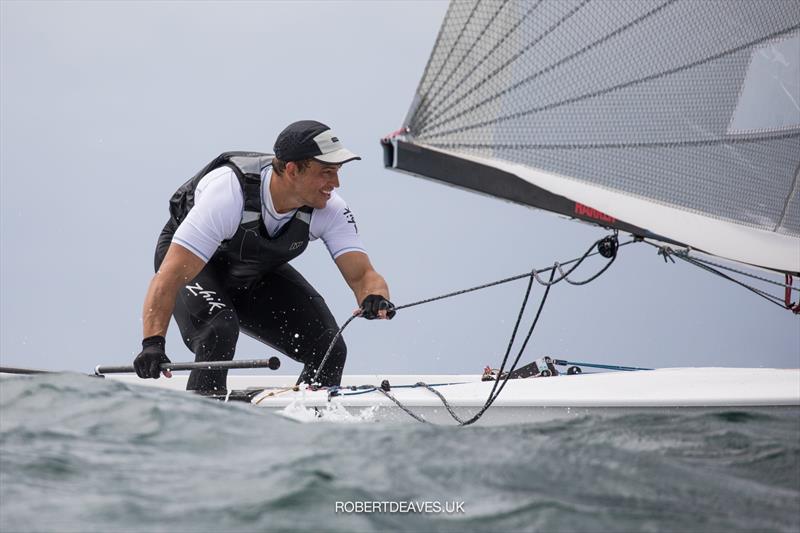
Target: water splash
{"points": [[333, 412]]}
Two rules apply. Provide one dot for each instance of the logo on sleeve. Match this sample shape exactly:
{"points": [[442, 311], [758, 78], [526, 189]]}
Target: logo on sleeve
{"points": [[351, 219]]}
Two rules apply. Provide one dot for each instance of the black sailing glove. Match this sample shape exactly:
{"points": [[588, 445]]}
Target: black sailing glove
{"points": [[147, 363], [374, 303]]}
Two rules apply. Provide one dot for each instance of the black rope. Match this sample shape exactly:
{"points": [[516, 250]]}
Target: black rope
{"points": [[495, 392], [401, 406], [493, 395], [330, 349], [516, 326], [577, 260], [444, 402], [533, 275], [498, 387]]}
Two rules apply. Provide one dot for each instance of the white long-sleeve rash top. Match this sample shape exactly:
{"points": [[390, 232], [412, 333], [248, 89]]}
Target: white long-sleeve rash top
{"points": [[218, 208]]}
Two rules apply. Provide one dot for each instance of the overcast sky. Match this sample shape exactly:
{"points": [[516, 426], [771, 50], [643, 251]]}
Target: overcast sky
{"points": [[107, 107]]}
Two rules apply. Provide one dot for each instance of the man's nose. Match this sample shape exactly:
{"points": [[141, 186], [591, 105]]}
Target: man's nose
{"points": [[335, 180]]}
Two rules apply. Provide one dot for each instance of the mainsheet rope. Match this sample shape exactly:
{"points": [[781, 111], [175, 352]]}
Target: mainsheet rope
{"points": [[535, 274], [607, 246]]}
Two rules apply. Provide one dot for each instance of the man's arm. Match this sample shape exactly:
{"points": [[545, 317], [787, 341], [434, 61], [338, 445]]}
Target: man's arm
{"points": [[180, 266], [362, 278]]}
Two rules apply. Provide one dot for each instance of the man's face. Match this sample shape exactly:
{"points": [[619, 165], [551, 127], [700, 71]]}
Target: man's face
{"points": [[315, 184]]}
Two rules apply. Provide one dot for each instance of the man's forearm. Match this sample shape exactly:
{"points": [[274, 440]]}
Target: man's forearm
{"points": [[158, 305], [370, 283], [178, 268]]}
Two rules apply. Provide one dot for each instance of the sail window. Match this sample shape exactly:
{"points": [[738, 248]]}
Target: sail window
{"points": [[770, 96]]}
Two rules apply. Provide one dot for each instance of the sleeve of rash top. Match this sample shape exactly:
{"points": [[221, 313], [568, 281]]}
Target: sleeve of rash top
{"points": [[215, 216], [337, 228]]}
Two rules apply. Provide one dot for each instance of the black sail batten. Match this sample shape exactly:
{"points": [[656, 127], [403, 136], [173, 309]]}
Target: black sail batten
{"points": [[473, 176]]}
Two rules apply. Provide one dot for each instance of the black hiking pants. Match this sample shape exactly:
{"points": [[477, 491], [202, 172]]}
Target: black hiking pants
{"points": [[280, 309]]}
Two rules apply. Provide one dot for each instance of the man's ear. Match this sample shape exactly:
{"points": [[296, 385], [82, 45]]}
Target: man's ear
{"points": [[291, 169]]}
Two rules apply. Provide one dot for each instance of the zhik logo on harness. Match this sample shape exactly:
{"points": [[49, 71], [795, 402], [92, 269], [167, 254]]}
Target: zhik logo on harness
{"points": [[197, 290], [296, 245]]}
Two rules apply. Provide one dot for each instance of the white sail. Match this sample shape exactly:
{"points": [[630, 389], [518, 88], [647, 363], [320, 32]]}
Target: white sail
{"points": [[678, 119]]}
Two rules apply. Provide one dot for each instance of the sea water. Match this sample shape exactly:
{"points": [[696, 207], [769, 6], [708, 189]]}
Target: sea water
{"points": [[84, 454]]}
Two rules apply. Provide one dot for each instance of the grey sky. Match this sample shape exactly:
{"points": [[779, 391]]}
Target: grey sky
{"points": [[108, 106]]}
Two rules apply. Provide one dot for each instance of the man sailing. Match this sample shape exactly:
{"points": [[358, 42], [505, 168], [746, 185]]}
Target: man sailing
{"points": [[222, 260]]}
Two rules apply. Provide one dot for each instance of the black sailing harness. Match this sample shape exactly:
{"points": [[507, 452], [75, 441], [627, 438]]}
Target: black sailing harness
{"points": [[251, 252]]}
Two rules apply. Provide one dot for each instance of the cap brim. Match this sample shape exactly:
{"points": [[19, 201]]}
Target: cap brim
{"points": [[337, 157]]}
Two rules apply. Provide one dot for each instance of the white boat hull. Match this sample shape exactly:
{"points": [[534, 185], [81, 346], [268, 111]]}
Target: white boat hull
{"points": [[524, 400]]}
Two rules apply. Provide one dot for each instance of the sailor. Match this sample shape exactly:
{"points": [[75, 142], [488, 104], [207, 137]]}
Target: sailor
{"points": [[222, 260]]}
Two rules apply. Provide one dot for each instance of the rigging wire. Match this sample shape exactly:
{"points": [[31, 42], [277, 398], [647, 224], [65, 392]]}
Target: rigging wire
{"points": [[669, 253], [743, 273]]}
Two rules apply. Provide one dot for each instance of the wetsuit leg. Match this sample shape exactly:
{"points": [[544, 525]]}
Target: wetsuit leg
{"points": [[284, 311], [207, 320]]}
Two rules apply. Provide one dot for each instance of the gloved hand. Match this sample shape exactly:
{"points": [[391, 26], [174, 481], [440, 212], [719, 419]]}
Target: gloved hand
{"points": [[152, 355], [374, 303]]}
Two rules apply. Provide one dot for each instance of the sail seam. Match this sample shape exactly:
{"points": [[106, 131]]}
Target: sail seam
{"points": [[575, 146], [483, 59], [439, 36], [452, 48], [513, 58], [615, 87]]}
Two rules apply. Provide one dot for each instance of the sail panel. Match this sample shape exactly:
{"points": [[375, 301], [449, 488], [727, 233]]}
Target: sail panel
{"points": [[683, 105]]}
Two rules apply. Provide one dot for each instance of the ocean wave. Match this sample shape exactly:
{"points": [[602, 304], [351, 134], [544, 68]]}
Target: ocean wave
{"points": [[87, 454]]}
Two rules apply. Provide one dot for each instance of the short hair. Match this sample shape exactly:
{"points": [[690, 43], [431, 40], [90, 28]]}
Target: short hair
{"points": [[279, 165]]}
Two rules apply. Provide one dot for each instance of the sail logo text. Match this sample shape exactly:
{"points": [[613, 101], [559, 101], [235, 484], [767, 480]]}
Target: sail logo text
{"points": [[586, 211], [208, 296]]}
